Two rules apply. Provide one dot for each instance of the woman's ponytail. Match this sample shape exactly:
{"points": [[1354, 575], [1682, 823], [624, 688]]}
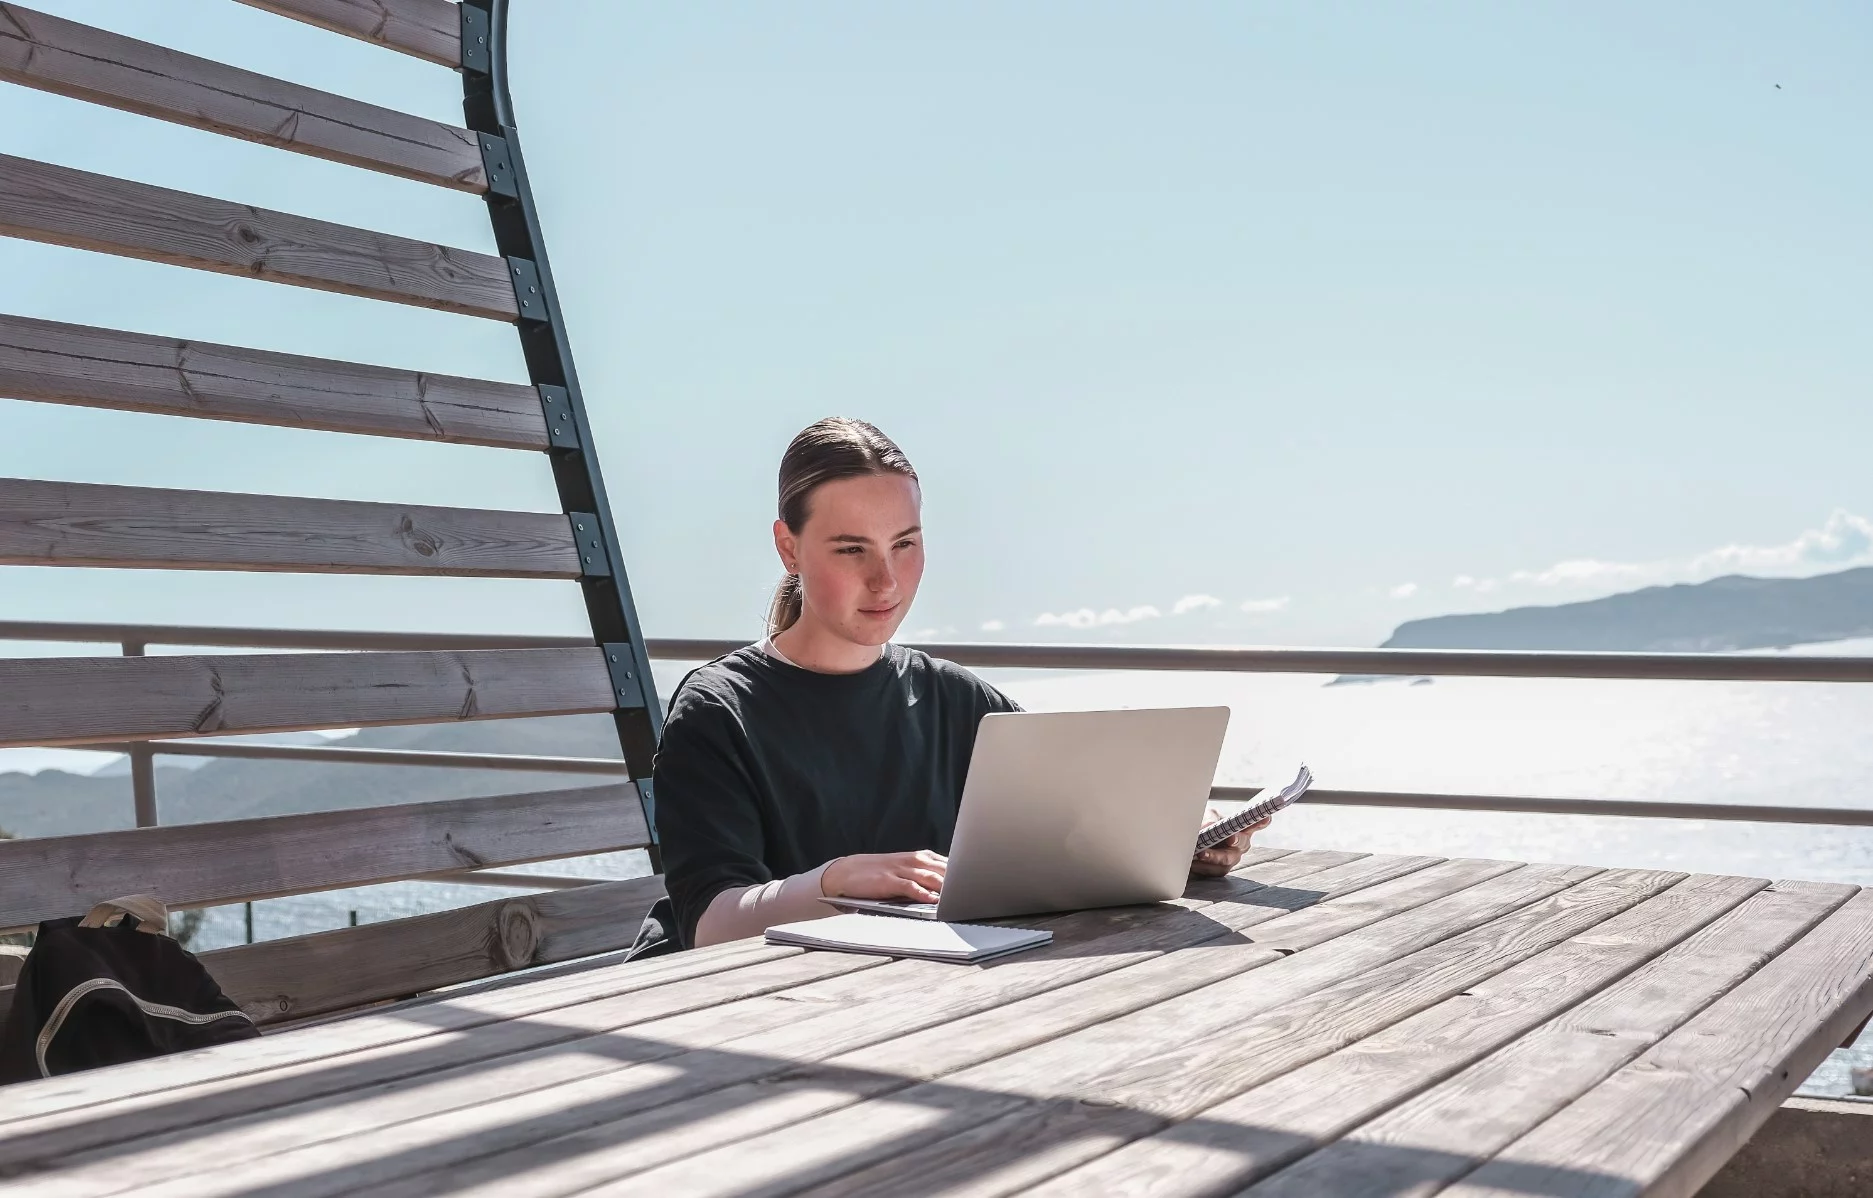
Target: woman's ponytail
{"points": [[826, 451], [784, 612]]}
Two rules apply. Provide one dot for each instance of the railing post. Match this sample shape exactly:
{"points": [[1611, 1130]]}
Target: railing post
{"points": [[142, 764]]}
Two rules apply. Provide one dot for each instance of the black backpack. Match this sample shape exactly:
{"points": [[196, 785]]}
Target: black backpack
{"points": [[108, 988]]}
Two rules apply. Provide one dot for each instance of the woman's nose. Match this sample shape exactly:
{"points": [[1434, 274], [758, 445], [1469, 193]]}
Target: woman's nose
{"points": [[883, 577]]}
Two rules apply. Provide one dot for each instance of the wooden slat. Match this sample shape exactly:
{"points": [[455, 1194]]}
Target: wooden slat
{"points": [[86, 63], [38, 1114], [293, 978], [62, 206], [1664, 1124], [954, 1018], [190, 865], [1020, 1119], [86, 524], [830, 1020], [1449, 1129], [74, 700], [428, 29], [57, 1142], [1253, 1134], [48, 362]]}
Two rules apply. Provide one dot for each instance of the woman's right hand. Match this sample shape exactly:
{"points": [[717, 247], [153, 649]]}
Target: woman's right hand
{"points": [[915, 876]]}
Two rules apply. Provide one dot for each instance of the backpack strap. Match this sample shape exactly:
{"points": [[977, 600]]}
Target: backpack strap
{"points": [[151, 914]]}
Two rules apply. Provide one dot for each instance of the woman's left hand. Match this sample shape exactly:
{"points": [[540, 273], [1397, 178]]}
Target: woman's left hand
{"points": [[1214, 863]]}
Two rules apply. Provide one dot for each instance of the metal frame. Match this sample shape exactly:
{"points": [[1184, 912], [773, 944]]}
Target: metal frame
{"points": [[1396, 662], [490, 114]]}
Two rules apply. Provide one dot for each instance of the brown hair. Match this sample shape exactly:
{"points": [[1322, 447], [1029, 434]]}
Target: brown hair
{"points": [[823, 452]]}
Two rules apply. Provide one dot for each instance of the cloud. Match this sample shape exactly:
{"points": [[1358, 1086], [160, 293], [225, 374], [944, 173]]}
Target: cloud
{"points": [[1843, 540], [1086, 617], [1190, 603], [1404, 590], [993, 626], [1262, 607]]}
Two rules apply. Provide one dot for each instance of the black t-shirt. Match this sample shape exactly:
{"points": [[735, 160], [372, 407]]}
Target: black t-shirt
{"points": [[768, 770]]}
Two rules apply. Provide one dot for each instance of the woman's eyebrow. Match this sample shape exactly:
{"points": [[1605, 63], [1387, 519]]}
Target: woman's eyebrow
{"points": [[852, 538]]}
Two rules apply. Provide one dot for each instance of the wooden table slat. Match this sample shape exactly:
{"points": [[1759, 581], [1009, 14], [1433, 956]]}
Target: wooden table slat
{"points": [[1664, 1123], [1444, 1132], [1263, 1129], [1319, 1022], [557, 1081], [742, 1113], [1019, 1117]]}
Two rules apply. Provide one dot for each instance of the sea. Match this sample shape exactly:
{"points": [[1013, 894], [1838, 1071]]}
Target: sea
{"points": [[1807, 744]]}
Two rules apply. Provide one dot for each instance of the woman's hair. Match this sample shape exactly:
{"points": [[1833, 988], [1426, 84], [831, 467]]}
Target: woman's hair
{"points": [[823, 452]]}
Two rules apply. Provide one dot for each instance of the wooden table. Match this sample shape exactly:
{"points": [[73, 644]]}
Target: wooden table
{"points": [[1321, 1023]]}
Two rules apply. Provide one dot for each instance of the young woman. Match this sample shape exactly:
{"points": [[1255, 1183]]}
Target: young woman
{"points": [[825, 760]]}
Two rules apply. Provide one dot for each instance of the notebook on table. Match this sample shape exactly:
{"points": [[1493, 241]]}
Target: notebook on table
{"points": [[884, 936]]}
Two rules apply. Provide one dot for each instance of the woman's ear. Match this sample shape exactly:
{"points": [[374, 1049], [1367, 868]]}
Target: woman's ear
{"points": [[787, 546]]}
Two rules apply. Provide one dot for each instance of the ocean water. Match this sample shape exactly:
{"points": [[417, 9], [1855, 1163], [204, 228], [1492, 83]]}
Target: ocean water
{"points": [[1710, 742]]}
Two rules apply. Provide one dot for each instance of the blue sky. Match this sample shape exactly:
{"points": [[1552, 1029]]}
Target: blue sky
{"points": [[1305, 319]]}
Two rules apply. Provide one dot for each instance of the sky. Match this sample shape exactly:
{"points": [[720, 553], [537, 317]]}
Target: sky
{"points": [[1202, 322]]}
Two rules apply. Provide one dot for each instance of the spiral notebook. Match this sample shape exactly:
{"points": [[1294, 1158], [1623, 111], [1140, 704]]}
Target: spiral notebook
{"points": [[1265, 805], [883, 935]]}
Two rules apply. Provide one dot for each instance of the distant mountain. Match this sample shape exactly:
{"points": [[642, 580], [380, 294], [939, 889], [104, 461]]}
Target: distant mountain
{"points": [[1725, 614]]}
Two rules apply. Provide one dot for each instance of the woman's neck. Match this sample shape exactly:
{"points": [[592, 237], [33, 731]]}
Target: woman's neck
{"points": [[824, 652]]}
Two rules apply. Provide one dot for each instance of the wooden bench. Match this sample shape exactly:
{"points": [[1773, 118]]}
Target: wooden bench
{"points": [[138, 699]]}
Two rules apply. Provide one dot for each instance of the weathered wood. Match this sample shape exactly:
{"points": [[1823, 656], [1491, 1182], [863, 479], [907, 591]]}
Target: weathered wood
{"points": [[76, 700], [86, 63], [89, 1160], [49, 362], [1253, 1134], [1416, 1148], [1170, 1060], [286, 979], [62, 206], [86, 524], [190, 865], [40, 1113], [427, 29], [617, 1123], [1665, 1123], [924, 995]]}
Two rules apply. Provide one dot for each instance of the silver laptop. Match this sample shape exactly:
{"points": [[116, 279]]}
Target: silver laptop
{"points": [[1064, 810]]}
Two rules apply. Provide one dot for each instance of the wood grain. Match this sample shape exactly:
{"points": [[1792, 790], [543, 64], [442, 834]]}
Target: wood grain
{"points": [[743, 1087], [85, 524], [755, 1034], [87, 1159], [49, 362], [61, 206], [427, 29], [293, 978], [1080, 1095], [190, 865], [75, 700], [1665, 1123], [1421, 1145], [1251, 1135], [86, 63], [40, 1114]]}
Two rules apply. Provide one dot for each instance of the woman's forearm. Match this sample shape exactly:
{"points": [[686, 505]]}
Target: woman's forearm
{"points": [[751, 910]]}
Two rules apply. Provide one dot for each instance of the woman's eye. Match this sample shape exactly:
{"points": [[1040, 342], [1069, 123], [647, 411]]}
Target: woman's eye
{"points": [[851, 550]]}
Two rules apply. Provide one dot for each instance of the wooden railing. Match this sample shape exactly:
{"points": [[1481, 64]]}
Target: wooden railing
{"points": [[141, 702]]}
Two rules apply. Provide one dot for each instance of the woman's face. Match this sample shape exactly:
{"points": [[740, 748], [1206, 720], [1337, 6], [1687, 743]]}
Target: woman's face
{"points": [[859, 556]]}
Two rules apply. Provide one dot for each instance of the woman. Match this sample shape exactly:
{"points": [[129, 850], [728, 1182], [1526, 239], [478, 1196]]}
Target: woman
{"points": [[825, 761]]}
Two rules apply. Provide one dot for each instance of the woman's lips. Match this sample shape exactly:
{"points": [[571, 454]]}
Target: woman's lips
{"points": [[876, 612]]}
